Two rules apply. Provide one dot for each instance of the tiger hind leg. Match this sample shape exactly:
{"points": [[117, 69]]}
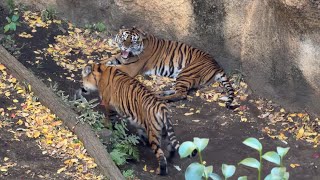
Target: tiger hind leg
{"points": [[155, 146]]}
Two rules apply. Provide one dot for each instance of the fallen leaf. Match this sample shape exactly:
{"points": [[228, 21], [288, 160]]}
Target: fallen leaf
{"points": [[188, 114], [2, 67], [145, 168], [20, 122], [294, 165], [300, 133]]}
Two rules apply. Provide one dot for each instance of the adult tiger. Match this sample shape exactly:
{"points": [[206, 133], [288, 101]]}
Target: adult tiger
{"points": [[131, 99], [143, 53]]}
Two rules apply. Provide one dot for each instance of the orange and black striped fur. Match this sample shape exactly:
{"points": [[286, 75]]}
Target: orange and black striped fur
{"points": [[131, 99], [143, 53]]}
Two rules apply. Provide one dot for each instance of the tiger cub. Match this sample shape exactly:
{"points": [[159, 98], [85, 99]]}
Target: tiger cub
{"points": [[131, 99], [143, 53]]}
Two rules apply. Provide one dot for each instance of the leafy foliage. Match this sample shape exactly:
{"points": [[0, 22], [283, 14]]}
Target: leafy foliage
{"points": [[84, 108], [9, 43], [48, 15], [128, 174], [100, 27], [12, 23], [123, 145], [197, 171]]}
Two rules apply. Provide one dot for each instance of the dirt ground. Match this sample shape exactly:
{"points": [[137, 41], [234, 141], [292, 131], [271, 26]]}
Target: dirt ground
{"points": [[223, 127]]}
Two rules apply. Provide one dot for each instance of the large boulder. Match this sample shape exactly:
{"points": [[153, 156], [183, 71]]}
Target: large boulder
{"points": [[275, 44]]}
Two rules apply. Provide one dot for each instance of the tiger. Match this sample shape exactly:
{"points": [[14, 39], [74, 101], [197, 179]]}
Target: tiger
{"points": [[129, 98], [142, 53]]}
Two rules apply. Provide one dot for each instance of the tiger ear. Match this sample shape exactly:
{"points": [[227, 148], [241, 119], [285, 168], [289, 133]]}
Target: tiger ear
{"points": [[86, 70], [142, 33]]}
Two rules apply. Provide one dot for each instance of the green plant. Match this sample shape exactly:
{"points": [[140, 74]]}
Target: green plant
{"points": [[129, 174], [83, 107], [198, 171], [12, 23], [48, 14], [100, 27], [123, 145], [271, 156]]}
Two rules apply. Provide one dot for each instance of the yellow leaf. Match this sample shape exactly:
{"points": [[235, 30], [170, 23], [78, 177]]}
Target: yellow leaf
{"points": [[56, 123], [282, 136], [81, 61], [3, 169], [15, 100], [7, 94], [92, 165], [13, 80], [36, 134], [145, 168], [215, 97], [48, 141], [2, 67], [300, 133], [282, 110], [198, 111], [61, 169], [294, 165], [188, 114], [293, 115], [20, 91], [243, 119], [5, 158], [300, 115], [20, 122], [222, 104]]}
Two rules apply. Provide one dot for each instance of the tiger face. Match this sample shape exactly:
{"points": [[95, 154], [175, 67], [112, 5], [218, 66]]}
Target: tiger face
{"points": [[90, 78], [130, 42]]}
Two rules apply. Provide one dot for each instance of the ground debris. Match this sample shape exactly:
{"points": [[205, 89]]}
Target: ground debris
{"points": [[38, 122]]}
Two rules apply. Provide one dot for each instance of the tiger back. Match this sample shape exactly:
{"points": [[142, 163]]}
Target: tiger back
{"points": [[143, 53], [131, 99]]}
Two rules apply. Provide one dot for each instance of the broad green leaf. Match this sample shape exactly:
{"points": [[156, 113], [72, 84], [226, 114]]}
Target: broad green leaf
{"points": [[253, 143], [194, 171], [251, 162], [207, 171], [15, 18], [243, 178], [186, 149], [6, 27], [215, 176], [228, 170], [278, 171], [13, 26], [201, 143], [272, 156], [268, 177], [286, 176], [282, 151]]}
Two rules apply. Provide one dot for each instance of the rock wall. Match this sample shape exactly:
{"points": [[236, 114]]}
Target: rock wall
{"points": [[274, 43]]}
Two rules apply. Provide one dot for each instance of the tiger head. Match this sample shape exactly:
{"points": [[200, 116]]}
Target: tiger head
{"points": [[91, 75], [130, 41]]}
